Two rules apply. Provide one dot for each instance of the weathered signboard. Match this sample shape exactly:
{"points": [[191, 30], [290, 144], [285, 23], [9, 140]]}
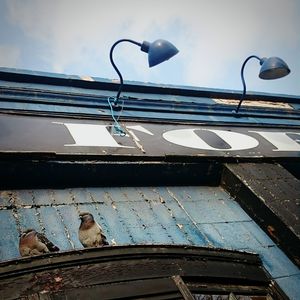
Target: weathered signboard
{"points": [[78, 136]]}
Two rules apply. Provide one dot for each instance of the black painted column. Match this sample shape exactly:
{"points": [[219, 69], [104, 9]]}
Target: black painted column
{"points": [[271, 196]]}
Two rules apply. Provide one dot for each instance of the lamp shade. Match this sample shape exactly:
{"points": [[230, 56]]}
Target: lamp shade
{"points": [[159, 51], [273, 68]]}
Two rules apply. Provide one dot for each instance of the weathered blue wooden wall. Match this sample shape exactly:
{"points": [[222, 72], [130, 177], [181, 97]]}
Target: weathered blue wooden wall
{"points": [[202, 216], [49, 93]]}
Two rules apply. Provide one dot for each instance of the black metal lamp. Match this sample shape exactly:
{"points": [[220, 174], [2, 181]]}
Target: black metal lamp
{"points": [[158, 52], [271, 68]]}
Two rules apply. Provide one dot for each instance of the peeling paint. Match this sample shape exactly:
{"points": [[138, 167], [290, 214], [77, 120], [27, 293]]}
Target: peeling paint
{"points": [[87, 78], [203, 216], [189, 216], [67, 233], [255, 103], [180, 226], [136, 141]]}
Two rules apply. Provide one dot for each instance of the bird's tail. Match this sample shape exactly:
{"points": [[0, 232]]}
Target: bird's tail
{"points": [[49, 244], [104, 240], [52, 248]]}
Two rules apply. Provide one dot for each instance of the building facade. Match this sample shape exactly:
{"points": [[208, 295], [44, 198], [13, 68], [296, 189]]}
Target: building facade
{"points": [[195, 201]]}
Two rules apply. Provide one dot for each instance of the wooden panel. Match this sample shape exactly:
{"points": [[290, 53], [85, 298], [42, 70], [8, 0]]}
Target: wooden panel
{"points": [[52, 273], [271, 196], [160, 288]]}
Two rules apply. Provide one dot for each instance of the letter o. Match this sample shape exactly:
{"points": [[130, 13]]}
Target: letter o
{"points": [[188, 138]]}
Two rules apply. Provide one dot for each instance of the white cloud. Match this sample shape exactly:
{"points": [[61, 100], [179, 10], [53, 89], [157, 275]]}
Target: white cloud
{"points": [[214, 37], [224, 33], [9, 56]]}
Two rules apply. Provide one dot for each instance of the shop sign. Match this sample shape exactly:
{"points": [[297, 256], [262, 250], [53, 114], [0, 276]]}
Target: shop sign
{"points": [[63, 136]]}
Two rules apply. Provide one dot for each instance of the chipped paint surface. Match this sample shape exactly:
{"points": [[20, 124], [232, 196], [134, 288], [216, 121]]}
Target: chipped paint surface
{"points": [[39, 92], [136, 140], [127, 215], [87, 78], [190, 215], [255, 103]]}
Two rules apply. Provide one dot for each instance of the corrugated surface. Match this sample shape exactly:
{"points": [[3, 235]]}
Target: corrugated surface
{"points": [[202, 216]]}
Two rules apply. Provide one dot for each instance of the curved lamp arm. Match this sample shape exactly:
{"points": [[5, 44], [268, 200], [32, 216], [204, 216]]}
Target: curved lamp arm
{"points": [[271, 68], [243, 81], [115, 67], [158, 52]]}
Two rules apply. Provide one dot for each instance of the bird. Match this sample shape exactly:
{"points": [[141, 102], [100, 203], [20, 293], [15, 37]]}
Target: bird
{"points": [[34, 243], [90, 232]]}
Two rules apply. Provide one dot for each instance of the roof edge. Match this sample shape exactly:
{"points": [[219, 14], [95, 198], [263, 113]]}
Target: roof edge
{"points": [[88, 82]]}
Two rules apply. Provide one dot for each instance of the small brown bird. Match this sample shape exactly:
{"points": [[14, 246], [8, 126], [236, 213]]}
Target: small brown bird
{"points": [[34, 243], [90, 232]]}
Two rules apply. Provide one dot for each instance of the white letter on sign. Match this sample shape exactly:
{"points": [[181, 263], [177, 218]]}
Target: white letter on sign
{"points": [[91, 135], [188, 138], [281, 140]]}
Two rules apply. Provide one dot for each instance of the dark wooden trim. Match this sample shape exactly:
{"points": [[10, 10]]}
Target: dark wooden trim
{"points": [[46, 170], [182, 287], [16, 174], [96, 267], [269, 194]]}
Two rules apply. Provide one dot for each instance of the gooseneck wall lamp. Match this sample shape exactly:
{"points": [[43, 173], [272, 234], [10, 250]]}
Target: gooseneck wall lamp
{"points": [[158, 52], [271, 68]]}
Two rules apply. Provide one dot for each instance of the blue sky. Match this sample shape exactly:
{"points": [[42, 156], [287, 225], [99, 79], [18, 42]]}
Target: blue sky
{"points": [[214, 38]]}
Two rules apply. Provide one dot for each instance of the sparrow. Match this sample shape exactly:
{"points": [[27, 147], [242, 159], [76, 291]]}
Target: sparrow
{"points": [[90, 232], [34, 243]]}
